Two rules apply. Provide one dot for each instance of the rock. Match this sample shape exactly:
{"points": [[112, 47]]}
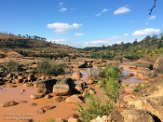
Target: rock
{"points": [[158, 65], [86, 64], [83, 65], [78, 88], [22, 90], [153, 73], [42, 78], [28, 84], [59, 98], [48, 96], [116, 116], [31, 77], [73, 99], [61, 89], [101, 119], [49, 107], [136, 116], [36, 96], [90, 81], [9, 103], [71, 119], [44, 86], [33, 104], [59, 120], [23, 101], [20, 78], [76, 75], [27, 120], [41, 111]]}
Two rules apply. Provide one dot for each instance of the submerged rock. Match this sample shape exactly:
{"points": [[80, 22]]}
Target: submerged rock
{"points": [[9, 103]]}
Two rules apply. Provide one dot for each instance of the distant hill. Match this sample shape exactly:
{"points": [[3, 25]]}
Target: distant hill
{"points": [[34, 46], [150, 45]]}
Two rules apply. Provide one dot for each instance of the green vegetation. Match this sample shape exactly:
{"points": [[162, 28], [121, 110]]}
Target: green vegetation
{"points": [[94, 107], [109, 82], [132, 56], [50, 68], [150, 45]]}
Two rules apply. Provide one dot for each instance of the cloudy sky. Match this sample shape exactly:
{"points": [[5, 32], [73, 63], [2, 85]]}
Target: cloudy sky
{"points": [[82, 23]]}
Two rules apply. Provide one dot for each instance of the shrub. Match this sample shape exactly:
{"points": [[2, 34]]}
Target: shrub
{"points": [[93, 108], [109, 83], [132, 56], [11, 66], [112, 72], [49, 68]]}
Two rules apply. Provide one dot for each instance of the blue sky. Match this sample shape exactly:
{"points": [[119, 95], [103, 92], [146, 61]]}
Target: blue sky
{"points": [[82, 23]]}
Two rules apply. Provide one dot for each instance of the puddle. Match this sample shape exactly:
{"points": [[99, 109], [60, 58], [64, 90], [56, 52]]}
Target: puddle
{"points": [[126, 72]]}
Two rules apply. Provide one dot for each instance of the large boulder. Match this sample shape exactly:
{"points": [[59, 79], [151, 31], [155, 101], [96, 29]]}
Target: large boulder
{"points": [[45, 86], [158, 65], [76, 75], [136, 115], [61, 89]]}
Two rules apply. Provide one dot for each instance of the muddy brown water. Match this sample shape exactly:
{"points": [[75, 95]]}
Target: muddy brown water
{"points": [[62, 110], [127, 71]]}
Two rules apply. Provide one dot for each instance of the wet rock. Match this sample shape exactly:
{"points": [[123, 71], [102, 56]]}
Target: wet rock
{"points": [[23, 101], [49, 107], [48, 96], [36, 96], [158, 65], [136, 116], [45, 86], [73, 99], [59, 98], [33, 104], [41, 111], [61, 89], [27, 120], [76, 75], [9, 103], [71, 119]]}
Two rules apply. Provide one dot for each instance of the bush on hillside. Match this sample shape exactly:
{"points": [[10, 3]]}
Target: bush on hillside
{"points": [[50, 69]]}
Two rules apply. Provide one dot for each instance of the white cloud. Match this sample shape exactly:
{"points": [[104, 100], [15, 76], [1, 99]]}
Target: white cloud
{"points": [[121, 10], [79, 34], [61, 28], [101, 42], [63, 9], [146, 31], [152, 17], [102, 12]]}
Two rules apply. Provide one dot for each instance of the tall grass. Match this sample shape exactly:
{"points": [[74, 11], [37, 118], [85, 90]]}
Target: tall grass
{"points": [[50, 68], [94, 107]]}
